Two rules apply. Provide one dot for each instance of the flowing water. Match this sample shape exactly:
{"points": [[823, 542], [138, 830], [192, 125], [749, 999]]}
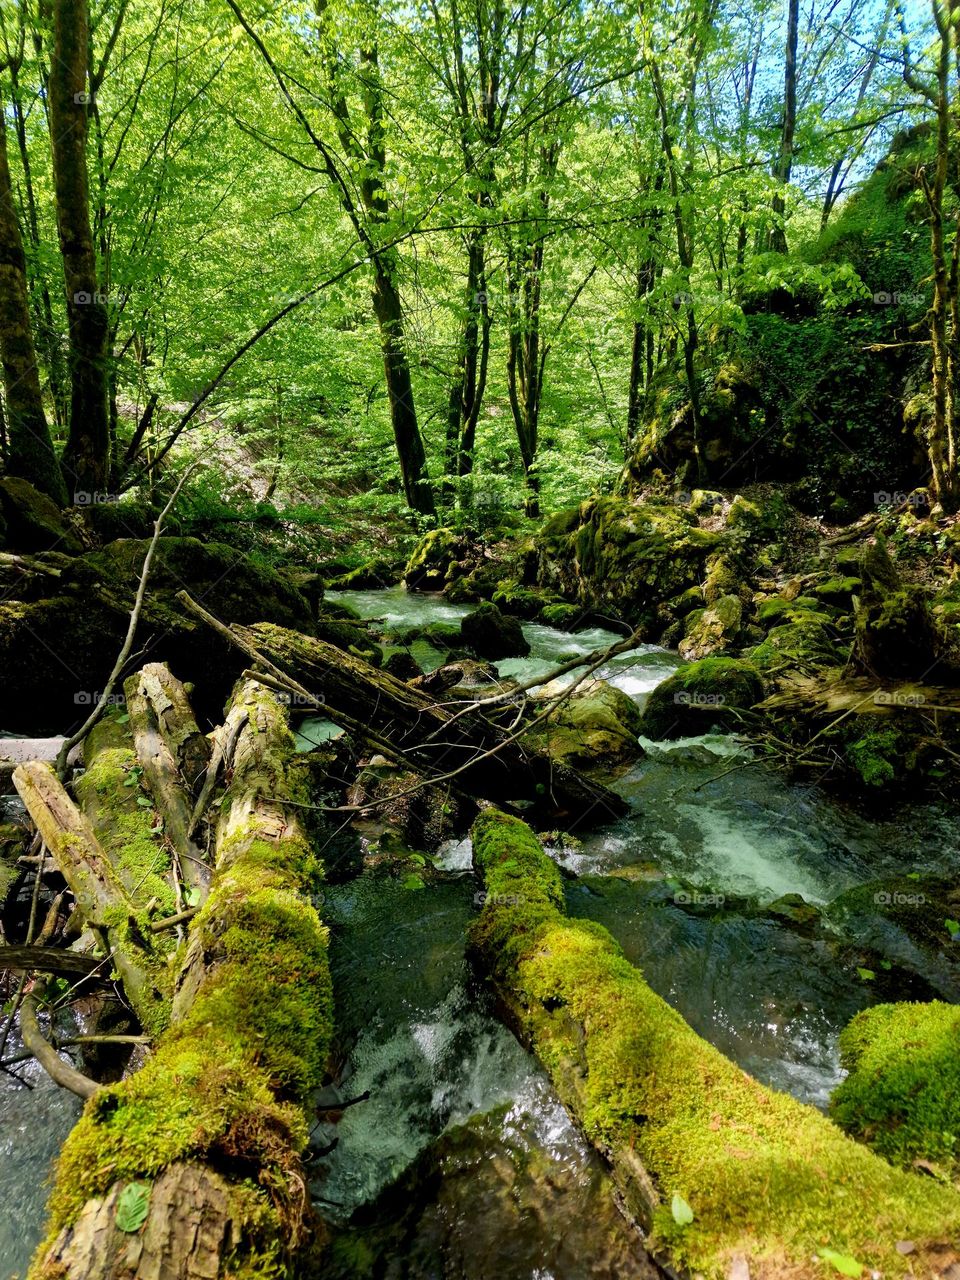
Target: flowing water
{"points": [[441, 1145]]}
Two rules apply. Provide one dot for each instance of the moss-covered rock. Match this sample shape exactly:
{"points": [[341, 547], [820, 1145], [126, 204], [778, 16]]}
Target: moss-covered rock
{"points": [[611, 553], [564, 617], [34, 522], [717, 1167], [713, 630], [902, 1093], [432, 559], [596, 728], [493, 635], [896, 633], [698, 697], [372, 575], [807, 642]]}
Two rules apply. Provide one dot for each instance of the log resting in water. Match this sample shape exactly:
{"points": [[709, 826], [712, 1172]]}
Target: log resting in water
{"points": [[729, 1177], [211, 1129], [428, 733]]}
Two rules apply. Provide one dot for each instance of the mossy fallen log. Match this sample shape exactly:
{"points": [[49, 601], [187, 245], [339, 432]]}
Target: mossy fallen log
{"points": [[724, 1173], [192, 1166], [98, 893], [174, 755], [489, 759]]}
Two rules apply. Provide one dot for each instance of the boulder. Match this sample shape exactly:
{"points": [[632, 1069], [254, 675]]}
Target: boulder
{"points": [[805, 642], [700, 697], [34, 522], [433, 558], [712, 630], [902, 1092], [491, 634], [613, 554], [597, 727], [896, 633]]}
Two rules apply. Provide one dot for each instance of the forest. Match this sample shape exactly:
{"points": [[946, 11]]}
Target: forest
{"points": [[479, 639]]}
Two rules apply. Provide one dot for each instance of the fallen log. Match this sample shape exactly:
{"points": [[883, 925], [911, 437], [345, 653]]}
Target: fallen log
{"points": [[433, 739], [99, 895], [174, 755], [727, 1176], [70, 964], [124, 823], [206, 1139], [58, 1069]]}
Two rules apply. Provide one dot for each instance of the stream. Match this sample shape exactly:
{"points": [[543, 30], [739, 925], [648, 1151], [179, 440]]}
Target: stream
{"points": [[458, 1160]]}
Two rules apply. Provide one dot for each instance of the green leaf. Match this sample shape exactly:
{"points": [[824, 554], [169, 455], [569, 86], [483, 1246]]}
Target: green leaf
{"points": [[842, 1262], [124, 718], [144, 803], [192, 897], [868, 976], [682, 1213], [953, 927], [412, 882], [133, 1206]]}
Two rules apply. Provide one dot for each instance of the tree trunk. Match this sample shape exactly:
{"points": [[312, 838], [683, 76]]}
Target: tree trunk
{"points": [[30, 452], [764, 1178], [784, 163], [423, 731], [86, 458], [388, 309], [211, 1127]]}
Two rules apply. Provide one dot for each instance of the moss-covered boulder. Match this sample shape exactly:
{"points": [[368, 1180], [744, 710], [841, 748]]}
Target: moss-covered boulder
{"points": [[614, 554], [433, 558], [596, 728], [806, 642], [701, 696], [902, 1093], [713, 630], [896, 632], [33, 521], [564, 617], [372, 575], [56, 653], [493, 635]]}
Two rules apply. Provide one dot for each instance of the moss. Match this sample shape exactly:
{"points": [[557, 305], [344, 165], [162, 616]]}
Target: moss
{"points": [[493, 635], [713, 691], [109, 793], [876, 756], [902, 1096], [803, 643], [565, 617], [712, 630], [766, 1177], [431, 560], [624, 555]]}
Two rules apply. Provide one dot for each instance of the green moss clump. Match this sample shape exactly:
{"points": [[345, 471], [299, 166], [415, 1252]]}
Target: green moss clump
{"points": [[766, 1177], [801, 644], [700, 695], [902, 1096], [877, 756]]}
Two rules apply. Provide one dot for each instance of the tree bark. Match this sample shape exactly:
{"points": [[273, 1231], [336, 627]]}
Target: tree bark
{"points": [[211, 1126], [425, 732], [765, 1177], [86, 459], [174, 754], [784, 163], [30, 452]]}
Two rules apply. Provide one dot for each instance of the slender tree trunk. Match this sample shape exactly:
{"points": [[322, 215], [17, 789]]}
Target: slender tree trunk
{"points": [[784, 164], [388, 309], [30, 452], [87, 455], [48, 333], [469, 383]]}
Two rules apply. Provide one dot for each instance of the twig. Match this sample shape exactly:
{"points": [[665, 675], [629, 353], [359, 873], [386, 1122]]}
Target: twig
{"points": [[124, 654]]}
